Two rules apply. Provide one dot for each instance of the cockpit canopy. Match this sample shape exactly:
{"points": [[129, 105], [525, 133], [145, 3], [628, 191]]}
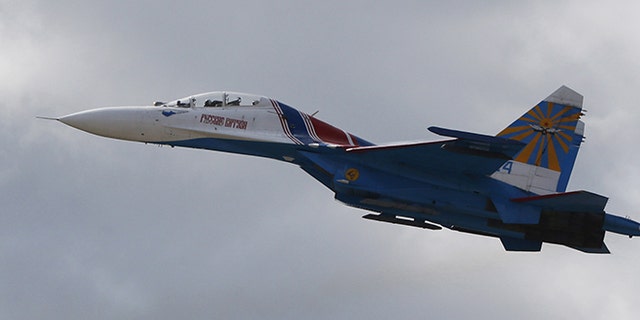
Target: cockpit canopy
{"points": [[217, 99]]}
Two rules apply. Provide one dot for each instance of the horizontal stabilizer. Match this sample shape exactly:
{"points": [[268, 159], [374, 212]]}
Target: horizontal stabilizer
{"points": [[474, 136], [576, 201], [513, 244], [479, 144], [603, 249], [402, 221]]}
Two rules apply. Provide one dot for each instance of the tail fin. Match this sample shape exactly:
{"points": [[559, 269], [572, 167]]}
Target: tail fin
{"points": [[553, 133]]}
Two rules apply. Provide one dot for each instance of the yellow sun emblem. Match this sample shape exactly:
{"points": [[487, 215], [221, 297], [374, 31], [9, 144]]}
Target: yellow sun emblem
{"points": [[547, 129]]}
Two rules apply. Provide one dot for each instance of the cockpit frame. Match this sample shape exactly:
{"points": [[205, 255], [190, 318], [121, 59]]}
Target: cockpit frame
{"points": [[217, 99]]}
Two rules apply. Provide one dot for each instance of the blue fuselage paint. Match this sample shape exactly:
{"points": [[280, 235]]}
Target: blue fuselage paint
{"points": [[463, 204], [436, 198]]}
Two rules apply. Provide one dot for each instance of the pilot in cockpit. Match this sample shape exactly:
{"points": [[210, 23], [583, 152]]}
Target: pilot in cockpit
{"points": [[213, 103], [190, 104]]}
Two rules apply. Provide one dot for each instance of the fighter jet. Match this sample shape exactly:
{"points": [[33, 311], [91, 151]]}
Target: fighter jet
{"points": [[511, 186]]}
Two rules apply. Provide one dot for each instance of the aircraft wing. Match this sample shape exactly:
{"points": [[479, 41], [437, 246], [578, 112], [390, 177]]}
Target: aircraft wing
{"points": [[469, 154]]}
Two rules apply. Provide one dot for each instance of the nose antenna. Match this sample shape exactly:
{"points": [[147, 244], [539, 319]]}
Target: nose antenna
{"points": [[48, 118]]}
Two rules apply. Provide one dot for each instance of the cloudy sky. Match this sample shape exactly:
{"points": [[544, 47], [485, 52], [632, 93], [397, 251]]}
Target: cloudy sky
{"points": [[93, 228]]}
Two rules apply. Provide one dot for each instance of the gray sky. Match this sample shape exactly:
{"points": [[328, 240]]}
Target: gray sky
{"points": [[93, 228]]}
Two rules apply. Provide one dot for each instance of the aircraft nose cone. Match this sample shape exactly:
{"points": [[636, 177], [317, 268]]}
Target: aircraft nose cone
{"points": [[84, 120], [114, 122]]}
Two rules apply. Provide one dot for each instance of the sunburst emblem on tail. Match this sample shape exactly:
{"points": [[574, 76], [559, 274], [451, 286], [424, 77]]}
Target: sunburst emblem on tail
{"points": [[548, 129]]}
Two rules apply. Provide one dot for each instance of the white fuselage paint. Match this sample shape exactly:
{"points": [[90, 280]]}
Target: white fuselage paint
{"points": [[167, 124], [528, 177]]}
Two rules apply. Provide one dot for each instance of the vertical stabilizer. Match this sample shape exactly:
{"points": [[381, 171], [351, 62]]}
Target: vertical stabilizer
{"points": [[565, 96], [553, 133]]}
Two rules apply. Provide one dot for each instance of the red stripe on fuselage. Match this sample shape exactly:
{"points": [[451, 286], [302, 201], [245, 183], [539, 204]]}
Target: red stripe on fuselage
{"points": [[330, 134]]}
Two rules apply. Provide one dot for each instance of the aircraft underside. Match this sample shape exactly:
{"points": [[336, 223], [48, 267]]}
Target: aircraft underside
{"points": [[425, 203]]}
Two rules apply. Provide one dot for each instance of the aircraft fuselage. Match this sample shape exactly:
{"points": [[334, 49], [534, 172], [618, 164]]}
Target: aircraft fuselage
{"points": [[455, 188]]}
